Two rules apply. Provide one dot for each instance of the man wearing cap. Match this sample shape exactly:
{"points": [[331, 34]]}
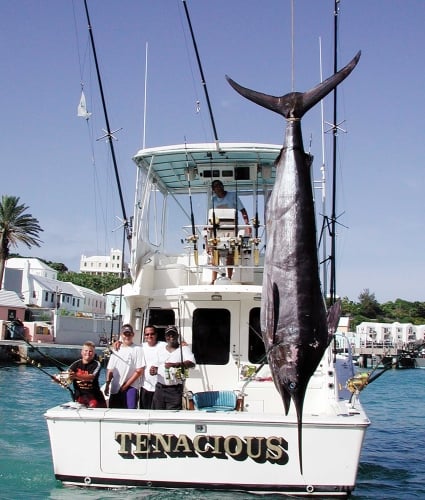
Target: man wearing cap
{"points": [[228, 199], [174, 360], [125, 367], [151, 349]]}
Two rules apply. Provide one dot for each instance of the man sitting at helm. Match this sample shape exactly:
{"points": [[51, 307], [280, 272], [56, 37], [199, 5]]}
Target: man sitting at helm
{"points": [[227, 199]]}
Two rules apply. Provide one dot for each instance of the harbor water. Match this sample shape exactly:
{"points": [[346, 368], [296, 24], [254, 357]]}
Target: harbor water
{"points": [[392, 462]]}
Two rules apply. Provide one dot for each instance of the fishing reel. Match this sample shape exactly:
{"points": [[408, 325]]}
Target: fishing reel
{"points": [[192, 238], [63, 378], [357, 383]]}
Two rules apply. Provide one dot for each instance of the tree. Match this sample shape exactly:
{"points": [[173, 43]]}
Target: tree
{"points": [[100, 284], [15, 227], [368, 305]]}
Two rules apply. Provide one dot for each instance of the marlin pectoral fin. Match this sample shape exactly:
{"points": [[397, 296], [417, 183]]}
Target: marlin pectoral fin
{"points": [[286, 398], [296, 104], [333, 315]]}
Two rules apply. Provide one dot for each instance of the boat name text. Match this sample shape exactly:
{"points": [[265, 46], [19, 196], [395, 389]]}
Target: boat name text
{"points": [[271, 449]]}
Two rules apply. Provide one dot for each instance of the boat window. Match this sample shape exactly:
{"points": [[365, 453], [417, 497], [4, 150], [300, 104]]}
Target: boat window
{"points": [[160, 319], [211, 336], [256, 350]]}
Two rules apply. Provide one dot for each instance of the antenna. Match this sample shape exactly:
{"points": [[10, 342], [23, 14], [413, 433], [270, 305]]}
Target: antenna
{"points": [[146, 90]]}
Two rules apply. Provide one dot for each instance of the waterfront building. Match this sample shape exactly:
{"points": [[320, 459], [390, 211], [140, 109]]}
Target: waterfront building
{"points": [[102, 265]]}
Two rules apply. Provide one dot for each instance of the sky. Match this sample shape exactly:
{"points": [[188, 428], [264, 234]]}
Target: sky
{"points": [[62, 170]]}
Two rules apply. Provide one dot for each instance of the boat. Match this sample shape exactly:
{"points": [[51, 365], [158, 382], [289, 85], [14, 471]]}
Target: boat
{"points": [[418, 355], [251, 444], [233, 433]]}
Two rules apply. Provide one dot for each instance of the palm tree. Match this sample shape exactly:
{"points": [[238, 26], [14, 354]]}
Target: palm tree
{"points": [[15, 227]]}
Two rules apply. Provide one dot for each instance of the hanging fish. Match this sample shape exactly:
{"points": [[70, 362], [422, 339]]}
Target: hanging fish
{"points": [[82, 107], [294, 321]]}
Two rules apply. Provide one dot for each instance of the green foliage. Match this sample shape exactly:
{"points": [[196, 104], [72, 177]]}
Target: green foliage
{"points": [[369, 309], [100, 284], [57, 266], [16, 227]]}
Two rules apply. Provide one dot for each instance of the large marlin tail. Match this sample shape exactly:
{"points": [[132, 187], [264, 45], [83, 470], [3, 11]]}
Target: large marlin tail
{"points": [[296, 104]]}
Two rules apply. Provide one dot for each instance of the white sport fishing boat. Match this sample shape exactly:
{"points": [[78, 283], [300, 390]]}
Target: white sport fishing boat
{"points": [[233, 433]]}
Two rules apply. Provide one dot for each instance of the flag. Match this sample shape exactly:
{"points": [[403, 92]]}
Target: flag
{"points": [[82, 108]]}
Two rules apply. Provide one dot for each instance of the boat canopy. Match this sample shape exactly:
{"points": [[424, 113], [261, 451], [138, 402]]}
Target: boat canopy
{"points": [[240, 164]]}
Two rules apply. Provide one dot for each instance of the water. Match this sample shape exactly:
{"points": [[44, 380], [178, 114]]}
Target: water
{"points": [[391, 468]]}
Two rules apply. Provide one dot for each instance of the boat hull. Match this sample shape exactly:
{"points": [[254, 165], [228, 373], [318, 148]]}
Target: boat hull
{"points": [[206, 450]]}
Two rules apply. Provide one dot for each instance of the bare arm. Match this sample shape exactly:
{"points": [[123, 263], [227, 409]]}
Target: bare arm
{"points": [[137, 373]]}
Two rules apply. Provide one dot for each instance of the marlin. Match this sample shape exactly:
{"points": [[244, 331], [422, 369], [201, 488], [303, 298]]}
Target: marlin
{"points": [[295, 325]]}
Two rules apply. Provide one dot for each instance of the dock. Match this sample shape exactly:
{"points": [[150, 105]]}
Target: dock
{"points": [[41, 352]]}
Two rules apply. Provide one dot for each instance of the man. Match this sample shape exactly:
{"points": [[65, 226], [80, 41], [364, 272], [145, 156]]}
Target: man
{"points": [[227, 199], [174, 360], [85, 376], [125, 367], [151, 351]]}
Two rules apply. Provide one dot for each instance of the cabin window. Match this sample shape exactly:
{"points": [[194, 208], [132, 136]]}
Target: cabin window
{"points": [[160, 319], [256, 350], [211, 336]]}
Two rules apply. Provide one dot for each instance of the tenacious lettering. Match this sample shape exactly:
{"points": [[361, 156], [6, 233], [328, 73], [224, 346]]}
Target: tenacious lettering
{"points": [[272, 449]]}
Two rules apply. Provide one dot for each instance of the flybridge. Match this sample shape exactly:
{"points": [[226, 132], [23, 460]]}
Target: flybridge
{"points": [[242, 164]]}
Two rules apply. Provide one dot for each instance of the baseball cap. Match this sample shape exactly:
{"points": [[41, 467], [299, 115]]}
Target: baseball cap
{"points": [[171, 330], [127, 330]]}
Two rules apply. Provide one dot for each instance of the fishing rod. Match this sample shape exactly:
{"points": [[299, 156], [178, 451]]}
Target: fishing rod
{"points": [[357, 383], [194, 237], [256, 239], [127, 230], [61, 379], [236, 253], [58, 364], [215, 260]]}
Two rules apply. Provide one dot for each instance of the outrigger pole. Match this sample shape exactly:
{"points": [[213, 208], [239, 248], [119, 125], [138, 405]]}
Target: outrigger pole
{"points": [[332, 278], [204, 84], [109, 133]]}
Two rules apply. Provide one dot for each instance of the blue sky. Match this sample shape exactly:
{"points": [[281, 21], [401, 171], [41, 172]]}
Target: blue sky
{"points": [[53, 162]]}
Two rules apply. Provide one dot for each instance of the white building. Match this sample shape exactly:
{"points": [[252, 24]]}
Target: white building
{"points": [[104, 264], [386, 334], [38, 286]]}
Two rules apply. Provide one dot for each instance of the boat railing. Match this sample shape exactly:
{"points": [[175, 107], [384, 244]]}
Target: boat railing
{"points": [[183, 270]]}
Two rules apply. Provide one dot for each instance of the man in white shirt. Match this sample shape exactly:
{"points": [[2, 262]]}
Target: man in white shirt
{"points": [[228, 199], [174, 361], [125, 367], [152, 347]]}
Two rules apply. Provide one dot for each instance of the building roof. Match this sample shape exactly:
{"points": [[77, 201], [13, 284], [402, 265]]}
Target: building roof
{"points": [[52, 285], [87, 291], [34, 264], [11, 299]]}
